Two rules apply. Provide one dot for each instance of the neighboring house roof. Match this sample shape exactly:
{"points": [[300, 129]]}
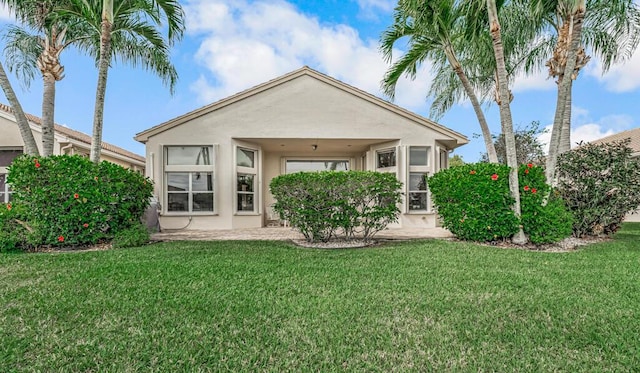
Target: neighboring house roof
{"points": [[76, 135], [144, 135], [633, 134]]}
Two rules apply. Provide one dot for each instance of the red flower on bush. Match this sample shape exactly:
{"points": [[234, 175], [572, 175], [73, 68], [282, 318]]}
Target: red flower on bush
{"points": [[76, 195], [8, 206], [526, 171], [60, 238], [529, 165], [37, 164], [473, 172], [494, 177], [533, 190], [526, 187], [86, 225]]}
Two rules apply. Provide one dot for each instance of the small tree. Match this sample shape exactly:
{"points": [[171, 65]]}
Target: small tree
{"points": [[528, 147], [456, 160]]}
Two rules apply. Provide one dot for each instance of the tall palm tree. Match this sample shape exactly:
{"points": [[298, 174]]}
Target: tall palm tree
{"points": [[435, 30], [26, 51], [610, 30], [20, 9], [506, 120], [30, 145], [128, 31]]}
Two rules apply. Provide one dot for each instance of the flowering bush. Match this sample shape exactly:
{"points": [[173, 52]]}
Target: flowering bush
{"points": [[68, 200], [12, 232], [475, 203], [542, 223], [600, 184]]}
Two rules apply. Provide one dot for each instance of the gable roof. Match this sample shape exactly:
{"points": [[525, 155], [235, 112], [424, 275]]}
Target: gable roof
{"points": [[76, 135], [633, 134], [304, 71]]}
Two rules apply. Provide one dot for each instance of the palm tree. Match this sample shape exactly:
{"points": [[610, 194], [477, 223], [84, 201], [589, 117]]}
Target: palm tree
{"points": [[435, 30], [26, 52], [128, 31], [610, 30], [30, 145], [506, 120]]}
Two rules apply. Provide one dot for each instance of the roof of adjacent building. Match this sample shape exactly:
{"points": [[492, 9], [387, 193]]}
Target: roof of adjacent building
{"points": [[305, 70], [76, 135], [633, 134]]}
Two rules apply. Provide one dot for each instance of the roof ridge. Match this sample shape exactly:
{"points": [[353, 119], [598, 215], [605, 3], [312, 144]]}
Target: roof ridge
{"points": [[75, 134]]}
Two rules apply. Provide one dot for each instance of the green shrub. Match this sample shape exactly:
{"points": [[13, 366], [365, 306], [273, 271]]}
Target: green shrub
{"points": [[134, 236], [68, 200], [543, 223], [13, 233], [328, 204], [475, 204], [600, 184]]}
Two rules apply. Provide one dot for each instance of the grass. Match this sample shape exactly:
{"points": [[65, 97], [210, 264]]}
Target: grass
{"points": [[270, 306]]}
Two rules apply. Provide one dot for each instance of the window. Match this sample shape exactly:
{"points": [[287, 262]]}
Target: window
{"points": [[189, 178], [5, 189], [246, 192], [296, 165], [246, 180], [386, 158], [417, 191], [7, 155], [418, 156], [444, 159]]}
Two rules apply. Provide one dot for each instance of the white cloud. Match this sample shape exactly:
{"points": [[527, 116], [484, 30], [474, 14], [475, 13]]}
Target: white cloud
{"points": [[244, 43], [620, 78], [590, 131], [369, 9], [535, 82], [5, 14]]}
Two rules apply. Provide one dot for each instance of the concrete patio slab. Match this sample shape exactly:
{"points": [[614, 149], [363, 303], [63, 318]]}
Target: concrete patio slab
{"points": [[286, 234]]}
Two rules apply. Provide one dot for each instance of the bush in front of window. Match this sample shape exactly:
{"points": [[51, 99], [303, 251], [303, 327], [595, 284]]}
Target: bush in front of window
{"points": [[326, 204], [70, 201], [475, 204], [600, 185]]}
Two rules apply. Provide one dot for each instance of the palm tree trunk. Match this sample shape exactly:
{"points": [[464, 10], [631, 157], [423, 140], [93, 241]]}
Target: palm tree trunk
{"points": [[564, 90], [48, 107], [486, 134], [30, 146], [103, 70], [565, 134], [506, 120]]}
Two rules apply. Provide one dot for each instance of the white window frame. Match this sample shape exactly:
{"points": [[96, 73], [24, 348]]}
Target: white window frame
{"points": [[415, 169], [252, 171], [190, 169], [285, 160], [393, 168]]}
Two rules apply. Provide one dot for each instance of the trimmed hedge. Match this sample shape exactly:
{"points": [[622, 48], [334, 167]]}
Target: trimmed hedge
{"points": [[68, 200], [330, 204], [475, 204]]}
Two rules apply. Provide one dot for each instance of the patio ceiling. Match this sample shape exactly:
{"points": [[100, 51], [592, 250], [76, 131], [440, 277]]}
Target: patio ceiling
{"points": [[338, 146]]}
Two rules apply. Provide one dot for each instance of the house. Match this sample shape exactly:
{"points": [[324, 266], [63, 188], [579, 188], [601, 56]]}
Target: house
{"points": [[66, 141], [212, 166], [634, 136]]}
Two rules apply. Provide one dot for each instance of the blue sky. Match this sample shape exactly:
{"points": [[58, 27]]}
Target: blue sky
{"points": [[231, 45]]}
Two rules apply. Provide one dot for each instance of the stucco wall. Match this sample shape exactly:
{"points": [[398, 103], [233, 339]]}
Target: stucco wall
{"points": [[304, 108]]}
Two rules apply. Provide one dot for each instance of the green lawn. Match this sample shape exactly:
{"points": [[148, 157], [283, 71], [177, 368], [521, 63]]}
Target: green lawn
{"points": [[269, 306]]}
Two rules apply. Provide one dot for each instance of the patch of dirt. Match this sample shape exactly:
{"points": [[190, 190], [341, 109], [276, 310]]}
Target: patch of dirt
{"points": [[75, 249], [567, 245], [335, 244]]}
